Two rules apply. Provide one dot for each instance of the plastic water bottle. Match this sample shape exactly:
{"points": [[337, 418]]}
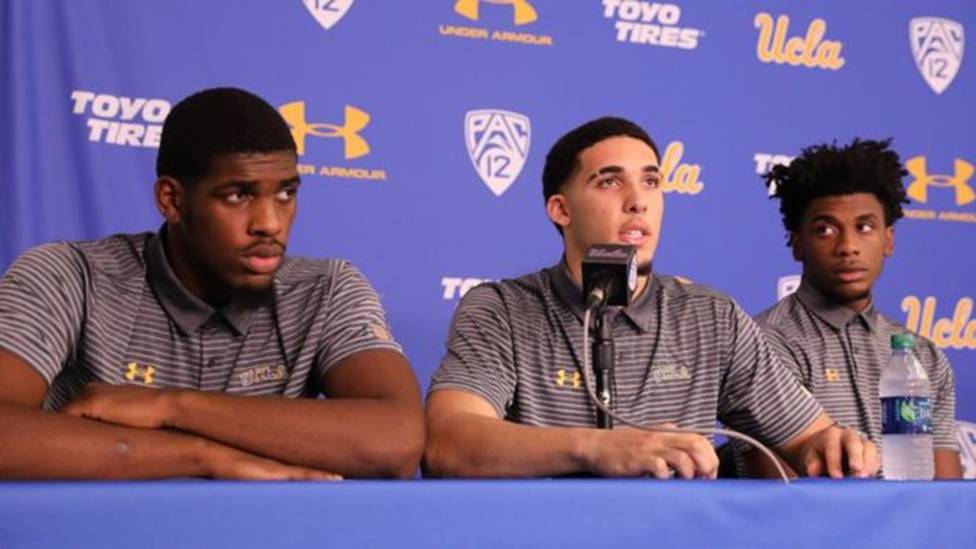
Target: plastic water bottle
{"points": [[906, 416]]}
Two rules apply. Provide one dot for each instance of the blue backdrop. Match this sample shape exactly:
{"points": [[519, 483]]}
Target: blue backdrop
{"points": [[424, 125]]}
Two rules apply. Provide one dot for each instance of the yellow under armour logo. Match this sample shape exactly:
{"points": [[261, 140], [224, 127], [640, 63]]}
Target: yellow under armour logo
{"points": [[355, 120], [832, 375], [135, 371], [523, 14], [562, 379], [918, 189]]}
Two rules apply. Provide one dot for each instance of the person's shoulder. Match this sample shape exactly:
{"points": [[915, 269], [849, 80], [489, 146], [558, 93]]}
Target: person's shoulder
{"points": [[118, 256], [518, 293], [925, 348], [778, 313], [299, 271], [677, 290]]}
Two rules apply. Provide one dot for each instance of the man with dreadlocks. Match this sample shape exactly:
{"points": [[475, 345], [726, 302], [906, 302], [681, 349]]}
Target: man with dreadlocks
{"points": [[840, 205]]}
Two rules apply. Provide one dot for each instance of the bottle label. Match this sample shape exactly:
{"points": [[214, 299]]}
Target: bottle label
{"points": [[906, 416]]}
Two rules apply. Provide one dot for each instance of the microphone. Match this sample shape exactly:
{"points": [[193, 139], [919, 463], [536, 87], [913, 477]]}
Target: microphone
{"points": [[609, 275]]}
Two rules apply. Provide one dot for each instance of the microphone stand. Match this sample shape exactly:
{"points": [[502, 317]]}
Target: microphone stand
{"points": [[603, 364]]}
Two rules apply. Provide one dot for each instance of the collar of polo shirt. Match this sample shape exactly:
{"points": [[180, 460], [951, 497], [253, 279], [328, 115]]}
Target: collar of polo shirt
{"points": [[831, 312], [185, 309]]}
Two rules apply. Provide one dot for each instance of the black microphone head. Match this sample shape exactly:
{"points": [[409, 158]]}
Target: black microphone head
{"points": [[612, 270]]}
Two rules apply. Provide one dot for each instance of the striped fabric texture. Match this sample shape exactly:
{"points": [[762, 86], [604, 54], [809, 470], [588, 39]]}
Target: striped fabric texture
{"points": [[112, 310], [684, 354]]}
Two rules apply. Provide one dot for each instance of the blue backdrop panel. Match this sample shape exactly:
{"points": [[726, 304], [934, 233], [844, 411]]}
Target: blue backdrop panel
{"points": [[424, 126]]}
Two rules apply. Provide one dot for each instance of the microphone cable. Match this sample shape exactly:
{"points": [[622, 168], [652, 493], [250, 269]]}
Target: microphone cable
{"points": [[626, 421]]}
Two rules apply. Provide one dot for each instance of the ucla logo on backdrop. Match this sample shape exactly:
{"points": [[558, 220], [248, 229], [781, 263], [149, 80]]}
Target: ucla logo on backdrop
{"points": [[927, 187], [456, 287], [498, 144], [966, 434], [810, 50], [677, 176], [651, 24], [121, 120], [328, 12], [937, 46], [951, 332], [523, 13], [766, 161], [787, 285], [349, 133]]}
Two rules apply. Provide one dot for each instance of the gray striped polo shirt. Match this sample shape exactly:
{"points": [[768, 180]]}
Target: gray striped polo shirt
{"points": [[684, 354], [112, 310], [838, 355]]}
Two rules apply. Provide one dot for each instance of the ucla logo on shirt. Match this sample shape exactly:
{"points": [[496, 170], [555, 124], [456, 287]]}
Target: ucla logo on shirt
{"points": [[261, 374], [523, 13], [952, 193], [498, 144], [349, 132], [811, 50], [937, 46], [328, 12], [140, 374]]}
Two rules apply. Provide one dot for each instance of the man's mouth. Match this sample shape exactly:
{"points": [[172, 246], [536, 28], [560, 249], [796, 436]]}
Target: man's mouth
{"points": [[263, 258], [634, 235]]}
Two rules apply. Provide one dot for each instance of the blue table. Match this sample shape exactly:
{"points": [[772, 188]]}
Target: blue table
{"points": [[539, 513]]}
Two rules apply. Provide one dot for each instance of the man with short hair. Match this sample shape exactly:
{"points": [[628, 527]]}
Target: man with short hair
{"points": [[199, 350], [508, 400], [839, 206]]}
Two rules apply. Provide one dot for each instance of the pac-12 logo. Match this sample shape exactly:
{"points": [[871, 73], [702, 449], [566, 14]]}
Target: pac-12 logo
{"points": [[937, 45], [498, 144], [522, 11], [328, 12]]}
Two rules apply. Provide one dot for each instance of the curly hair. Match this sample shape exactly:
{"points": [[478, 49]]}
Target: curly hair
{"points": [[864, 166]]}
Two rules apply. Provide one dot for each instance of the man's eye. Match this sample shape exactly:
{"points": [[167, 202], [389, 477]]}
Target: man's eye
{"points": [[865, 227], [285, 195], [652, 182], [824, 230], [235, 198], [608, 182]]}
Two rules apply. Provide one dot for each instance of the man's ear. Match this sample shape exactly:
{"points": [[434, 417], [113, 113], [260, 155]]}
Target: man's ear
{"points": [[558, 213], [889, 247], [797, 245], [170, 199]]}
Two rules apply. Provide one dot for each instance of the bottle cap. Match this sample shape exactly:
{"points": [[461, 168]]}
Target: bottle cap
{"points": [[902, 341]]}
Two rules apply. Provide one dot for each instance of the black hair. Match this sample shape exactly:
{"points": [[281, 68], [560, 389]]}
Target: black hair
{"points": [[214, 122], [864, 166], [563, 158]]}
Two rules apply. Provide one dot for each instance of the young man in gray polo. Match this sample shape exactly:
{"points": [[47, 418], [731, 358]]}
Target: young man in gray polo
{"points": [[508, 399], [199, 350], [840, 205]]}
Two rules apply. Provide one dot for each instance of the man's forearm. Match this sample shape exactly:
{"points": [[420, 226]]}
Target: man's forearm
{"points": [[474, 446], [355, 437], [35, 444]]}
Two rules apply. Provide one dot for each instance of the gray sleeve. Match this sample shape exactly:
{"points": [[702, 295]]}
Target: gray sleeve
{"points": [[480, 357], [42, 307], [760, 396], [790, 355], [943, 383], [354, 319]]}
